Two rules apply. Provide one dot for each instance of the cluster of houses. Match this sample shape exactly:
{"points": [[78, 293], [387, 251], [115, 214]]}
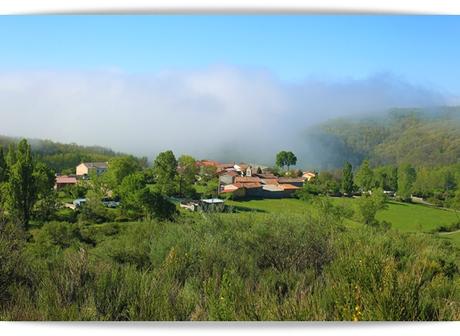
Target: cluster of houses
{"points": [[251, 181], [240, 180]]}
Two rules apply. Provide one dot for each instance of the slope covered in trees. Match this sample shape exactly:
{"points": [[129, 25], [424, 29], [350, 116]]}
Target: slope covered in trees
{"points": [[61, 157], [416, 136]]}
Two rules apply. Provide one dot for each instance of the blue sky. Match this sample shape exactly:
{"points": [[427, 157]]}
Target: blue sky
{"points": [[421, 49]]}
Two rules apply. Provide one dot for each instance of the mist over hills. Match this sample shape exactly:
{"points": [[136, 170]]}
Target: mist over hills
{"points": [[420, 136], [224, 112]]}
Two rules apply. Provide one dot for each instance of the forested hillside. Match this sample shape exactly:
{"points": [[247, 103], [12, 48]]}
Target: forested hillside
{"points": [[61, 157], [416, 136]]}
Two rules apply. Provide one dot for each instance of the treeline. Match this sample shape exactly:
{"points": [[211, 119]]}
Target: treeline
{"points": [[63, 157], [420, 137], [437, 185]]}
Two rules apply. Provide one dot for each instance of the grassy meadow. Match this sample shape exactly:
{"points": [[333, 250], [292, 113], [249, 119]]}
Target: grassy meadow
{"points": [[405, 217]]}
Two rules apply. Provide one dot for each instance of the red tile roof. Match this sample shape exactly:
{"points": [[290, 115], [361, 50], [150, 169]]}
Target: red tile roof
{"points": [[64, 179], [290, 179], [245, 185], [289, 187], [247, 179], [270, 181], [208, 163]]}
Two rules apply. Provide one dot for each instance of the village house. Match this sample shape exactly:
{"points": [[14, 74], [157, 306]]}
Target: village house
{"points": [[227, 177], [308, 175], [247, 180], [85, 168], [64, 181], [256, 187], [296, 181]]}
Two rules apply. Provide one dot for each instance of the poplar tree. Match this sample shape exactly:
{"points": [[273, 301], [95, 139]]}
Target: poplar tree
{"points": [[21, 185], [347, 181]]}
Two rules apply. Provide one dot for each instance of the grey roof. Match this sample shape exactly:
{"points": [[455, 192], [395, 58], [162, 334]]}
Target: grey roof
{"points": [[103, 165]]}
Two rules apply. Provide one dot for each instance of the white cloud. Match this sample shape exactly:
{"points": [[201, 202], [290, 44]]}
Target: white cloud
{"points": [[219, 112]]}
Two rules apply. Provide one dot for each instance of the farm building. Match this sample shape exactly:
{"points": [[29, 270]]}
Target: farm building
{"points": [[85, 168], [64, 181]]}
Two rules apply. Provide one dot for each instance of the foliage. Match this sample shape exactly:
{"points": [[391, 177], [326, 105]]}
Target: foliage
{"points": [[285, 158], [386, 177], [187, 171], [347, 179], [406, 179], [3, 166], [165, 170], [364, 176], [156, 205], [368, 205], [421, 137], [22, 186], [63, 157], [227, 267], [120, 167]]}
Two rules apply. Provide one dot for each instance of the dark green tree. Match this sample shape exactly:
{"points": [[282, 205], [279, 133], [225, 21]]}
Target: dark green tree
{"points": [[187, 171], [156, 205], [347, 179], [165, 171], [285, 159], [21, 186], [3, 166], [47, 204]]}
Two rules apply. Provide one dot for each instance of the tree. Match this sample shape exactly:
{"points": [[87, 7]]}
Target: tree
{"points": [[47, 203], [130, 191], [3, 167], [93, 209], [347, 179], [291, 159], [156, 205], [211, 188], [165, 171], [328, 182], [3, 177], [368, 205], [187, 171], [406, 179], [138, 199], [285, 158], [120, 167], [21, 186], [364, 176], [207, 173]]}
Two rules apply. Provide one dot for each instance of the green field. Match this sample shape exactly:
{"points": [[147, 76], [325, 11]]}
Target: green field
{"points": [[402, 216]]}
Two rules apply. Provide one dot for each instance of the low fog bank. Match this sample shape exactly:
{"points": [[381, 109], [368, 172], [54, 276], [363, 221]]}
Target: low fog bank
{"points": [[223, 113]]}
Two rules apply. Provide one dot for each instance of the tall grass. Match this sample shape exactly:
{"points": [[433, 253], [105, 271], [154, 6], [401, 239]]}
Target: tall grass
{"points": [[227, 267]]}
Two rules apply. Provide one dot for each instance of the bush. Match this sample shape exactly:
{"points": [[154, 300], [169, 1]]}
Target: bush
{"points": [[241, 266]]}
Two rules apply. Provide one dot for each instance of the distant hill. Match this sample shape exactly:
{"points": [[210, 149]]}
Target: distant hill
{"points": [[421, 137], [61, 157]]}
